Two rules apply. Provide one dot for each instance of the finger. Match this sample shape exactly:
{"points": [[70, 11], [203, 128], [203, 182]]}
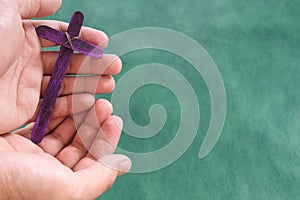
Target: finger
{"points": [[70, 104], [94, 36], [94, 178], [83, 84], [91, 126], [107, 138], [77, 149], [35, 8], [81, 64], [102, 110]]}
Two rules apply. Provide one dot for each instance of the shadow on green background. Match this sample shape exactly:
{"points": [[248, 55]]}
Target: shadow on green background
{"points": [[255, 45]]}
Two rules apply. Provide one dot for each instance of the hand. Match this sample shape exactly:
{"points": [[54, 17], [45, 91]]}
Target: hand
{"points": [[25, 70], [64, 165]]}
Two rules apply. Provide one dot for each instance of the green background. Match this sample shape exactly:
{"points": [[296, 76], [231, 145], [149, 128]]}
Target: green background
{"points": [[255, 45]]}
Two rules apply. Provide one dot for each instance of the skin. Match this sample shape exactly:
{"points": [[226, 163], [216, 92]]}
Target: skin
{"points": [[74, 161]]}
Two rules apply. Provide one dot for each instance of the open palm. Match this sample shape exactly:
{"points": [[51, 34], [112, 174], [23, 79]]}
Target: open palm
{"points": [[66, 164]]}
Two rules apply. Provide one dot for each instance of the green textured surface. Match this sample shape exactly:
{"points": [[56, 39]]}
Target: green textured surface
{"points": [[255, 45]]}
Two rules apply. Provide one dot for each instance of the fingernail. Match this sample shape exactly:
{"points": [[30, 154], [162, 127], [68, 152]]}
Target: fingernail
{"points": [[117, 61]]}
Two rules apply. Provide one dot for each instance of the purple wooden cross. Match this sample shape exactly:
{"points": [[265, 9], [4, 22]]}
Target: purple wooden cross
{"points": [[69, 42]]}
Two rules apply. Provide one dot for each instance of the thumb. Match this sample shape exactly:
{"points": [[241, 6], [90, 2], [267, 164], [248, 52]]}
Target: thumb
{"points": [[35, 8], [94, 178]]}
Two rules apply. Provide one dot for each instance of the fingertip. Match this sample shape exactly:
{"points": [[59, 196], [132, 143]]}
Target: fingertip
{"points": [[116, 65], [110, 84], [102, 110], [105, 84], [51, 7], [47, 8], [110, 65], [105, 40], [113, 125], [104, 106], [95, 36]]}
